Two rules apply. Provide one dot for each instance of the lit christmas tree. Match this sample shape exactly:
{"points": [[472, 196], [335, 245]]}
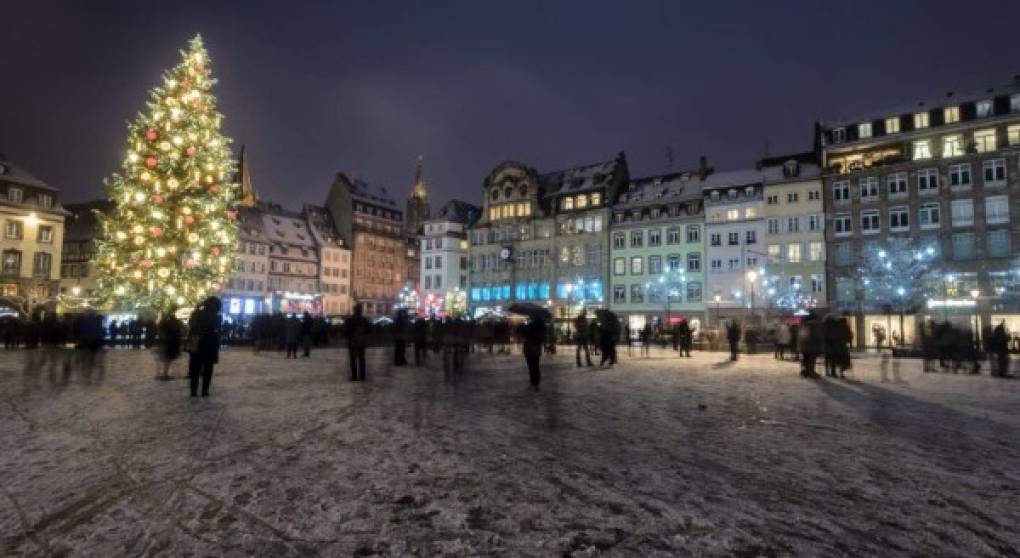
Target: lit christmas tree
{"points": [[171, 236]]}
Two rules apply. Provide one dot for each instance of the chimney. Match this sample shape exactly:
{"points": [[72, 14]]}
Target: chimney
{"points": [[703, 169]]}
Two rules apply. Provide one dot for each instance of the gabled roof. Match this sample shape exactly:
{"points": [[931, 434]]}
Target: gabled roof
{"points": [[10, 172], [283, 226], [372, 193], [673, 187], [457, 211]]}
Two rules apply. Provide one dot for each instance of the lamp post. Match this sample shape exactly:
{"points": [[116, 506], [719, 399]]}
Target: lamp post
{"points": [[717, 299], [752, 276], [975, 295]]}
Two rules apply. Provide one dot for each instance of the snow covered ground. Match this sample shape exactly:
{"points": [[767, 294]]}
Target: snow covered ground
{"points": [[655, 457]]}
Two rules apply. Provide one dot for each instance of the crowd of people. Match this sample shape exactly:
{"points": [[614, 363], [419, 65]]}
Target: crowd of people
{"points": [[942, 346]]}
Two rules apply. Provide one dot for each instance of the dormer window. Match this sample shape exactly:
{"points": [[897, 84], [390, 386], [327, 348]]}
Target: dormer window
{"points": [[791, 169], [920, 120], [951, 114], [1014, 104], [45, 201], [731, 193], [568, 203], [749, 191], [984, 108], [864, 130], [596, 199], [15, 195], [838, 135], [892, 125], [715, 195]]}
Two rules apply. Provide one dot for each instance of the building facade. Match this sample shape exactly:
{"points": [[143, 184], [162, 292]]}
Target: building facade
{"points": [[293, 278], [544, 237], [918, 204], [658, 252], [334, 262], [367, 220], [78, 283], [246, 291], [444, 259], [793, 278], [735, 250], [31, 241]]}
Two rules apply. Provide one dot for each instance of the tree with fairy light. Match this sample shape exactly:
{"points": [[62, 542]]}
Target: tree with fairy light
{"points": [[898, 278], [170, 238]]}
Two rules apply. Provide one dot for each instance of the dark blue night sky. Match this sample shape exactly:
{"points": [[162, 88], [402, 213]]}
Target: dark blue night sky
{"points": [[316, 87]]}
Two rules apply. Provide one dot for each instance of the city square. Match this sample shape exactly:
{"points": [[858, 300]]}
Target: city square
{"points": [[659, 456]]}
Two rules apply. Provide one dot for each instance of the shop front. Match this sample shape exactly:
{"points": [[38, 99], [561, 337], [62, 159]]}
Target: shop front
{"points": [[295, 303]]}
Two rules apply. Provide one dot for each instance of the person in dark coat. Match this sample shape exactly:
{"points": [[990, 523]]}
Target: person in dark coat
{"points": [[810, 343], [357, 331], [1000, 348], [291, 335], [534, 340], [420, 338], [306, 334], [400, 338], [171, 334], [684, 337], [204, 344], [733, 336], [581, 337]]}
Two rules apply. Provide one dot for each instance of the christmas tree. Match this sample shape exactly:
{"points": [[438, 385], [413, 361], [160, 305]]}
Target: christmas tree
{"points": [[170, 239]]}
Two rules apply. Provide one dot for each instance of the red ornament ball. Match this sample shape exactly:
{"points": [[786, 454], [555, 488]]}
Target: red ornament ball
{"points": [[188, 219], [189, 263], [191, 151], [231, 214], [214, 189], [215, 250], [156, 231], [150, 162], [186, 84], [157, 199], [150, 134], [146, 264]]}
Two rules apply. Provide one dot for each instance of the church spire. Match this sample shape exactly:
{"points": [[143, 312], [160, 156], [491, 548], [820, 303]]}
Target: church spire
{"points": [[247, 197], [418, 190]]}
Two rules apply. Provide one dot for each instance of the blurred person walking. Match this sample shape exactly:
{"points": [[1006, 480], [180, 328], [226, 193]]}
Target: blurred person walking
{"points": [[171, 334], [204, 344], [357, 331]]}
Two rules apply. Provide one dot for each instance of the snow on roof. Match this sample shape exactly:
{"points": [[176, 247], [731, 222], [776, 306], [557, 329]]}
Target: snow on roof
{"points": [[10, 172], [664, 188], [323, 227], [284, 226], [579, 179], [457, 211], [924, 105], [372, 193]]}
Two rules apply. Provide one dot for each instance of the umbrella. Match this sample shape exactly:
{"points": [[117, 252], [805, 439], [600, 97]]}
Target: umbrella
{"points": [[531, 310]]}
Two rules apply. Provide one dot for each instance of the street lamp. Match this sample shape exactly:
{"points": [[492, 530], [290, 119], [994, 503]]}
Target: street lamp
{"points": [[975, 294], [752, 276], [717, 299]]}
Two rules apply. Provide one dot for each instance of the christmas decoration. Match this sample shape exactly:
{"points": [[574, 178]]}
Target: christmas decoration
{"points": [[167, 241]]}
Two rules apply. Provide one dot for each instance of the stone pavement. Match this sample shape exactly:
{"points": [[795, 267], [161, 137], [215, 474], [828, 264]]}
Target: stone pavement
{"points": [[660, 456]]}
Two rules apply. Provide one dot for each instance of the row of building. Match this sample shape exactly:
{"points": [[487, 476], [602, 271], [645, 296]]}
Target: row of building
{"points": [[891, 217]]}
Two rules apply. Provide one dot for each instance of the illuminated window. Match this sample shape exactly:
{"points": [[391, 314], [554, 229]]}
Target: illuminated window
{"points": [[922, 149], [920, 120], [984, 140], [732, 214], [582, 201], [892, 125], [596, 198], [751, 213], [815, 251], [568, 203], [493, 213], [775, 251], [952, 146], [1013, 134], [864, 130], [793, 253], [951, 114]]}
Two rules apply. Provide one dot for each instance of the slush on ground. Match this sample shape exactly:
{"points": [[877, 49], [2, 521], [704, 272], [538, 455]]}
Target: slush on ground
{"points": [[654, 457]]}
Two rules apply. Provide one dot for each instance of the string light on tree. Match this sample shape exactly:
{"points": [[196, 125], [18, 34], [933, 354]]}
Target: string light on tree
{"points": [[171, 236]]}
